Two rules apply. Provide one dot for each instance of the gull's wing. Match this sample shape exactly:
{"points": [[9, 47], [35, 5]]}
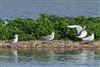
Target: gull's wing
{"points": [[73, 26], [83, 34], [47, 37], [12, 41], [78, 28]]}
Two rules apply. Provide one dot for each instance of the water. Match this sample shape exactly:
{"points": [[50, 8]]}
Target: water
{"points": [[10, 9], [32, 58]]}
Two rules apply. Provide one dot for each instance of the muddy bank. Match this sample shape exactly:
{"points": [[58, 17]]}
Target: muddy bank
{"points": [[51, 45]]}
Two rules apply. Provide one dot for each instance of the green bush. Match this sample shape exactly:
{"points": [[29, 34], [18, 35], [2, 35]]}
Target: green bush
{"points": [[30, 29]]}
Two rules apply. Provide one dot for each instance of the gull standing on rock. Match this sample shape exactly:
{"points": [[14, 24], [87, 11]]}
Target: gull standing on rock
{"points": [[50, 37], [83, 33], [78, 28], [15, 40], [89, 38]]}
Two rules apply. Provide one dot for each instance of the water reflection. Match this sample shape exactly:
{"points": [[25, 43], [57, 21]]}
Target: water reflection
{"points": [[15, 55], [85, 56], [51, 58], [52, 55]]}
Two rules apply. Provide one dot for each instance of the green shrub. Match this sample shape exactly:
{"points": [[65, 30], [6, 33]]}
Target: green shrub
{"points": [[29, 29]]}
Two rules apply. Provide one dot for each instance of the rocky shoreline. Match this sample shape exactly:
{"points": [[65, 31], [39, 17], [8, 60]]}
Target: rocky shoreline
{"points": [[51, 45]]}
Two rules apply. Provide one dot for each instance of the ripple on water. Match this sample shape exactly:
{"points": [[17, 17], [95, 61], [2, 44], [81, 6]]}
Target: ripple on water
{"points": [[50, 59]]}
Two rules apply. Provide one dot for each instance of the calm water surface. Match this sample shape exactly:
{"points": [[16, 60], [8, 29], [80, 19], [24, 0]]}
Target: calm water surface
{"points": [[30, 58], [32, 8]]}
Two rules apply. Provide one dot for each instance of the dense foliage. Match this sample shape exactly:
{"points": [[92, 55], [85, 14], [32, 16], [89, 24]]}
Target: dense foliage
{"points": [[30, 29]]}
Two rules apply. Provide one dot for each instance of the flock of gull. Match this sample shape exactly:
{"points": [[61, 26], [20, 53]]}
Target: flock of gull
{"points": [[81, 31]]}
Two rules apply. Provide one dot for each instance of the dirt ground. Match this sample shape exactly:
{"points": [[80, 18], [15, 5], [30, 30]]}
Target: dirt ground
{"points": [[51, 45]]}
